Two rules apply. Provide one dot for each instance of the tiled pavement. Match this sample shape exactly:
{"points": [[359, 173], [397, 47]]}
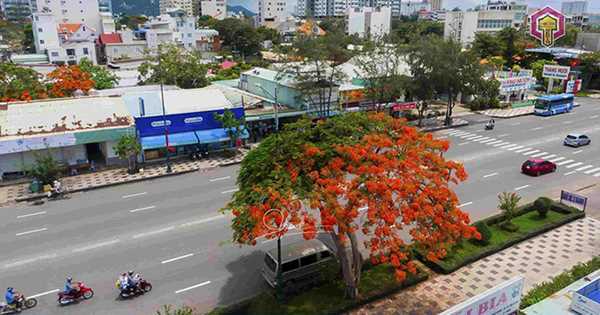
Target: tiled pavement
{"points": [[507, 113], [567, 163], [9, 194], [537, 260]]}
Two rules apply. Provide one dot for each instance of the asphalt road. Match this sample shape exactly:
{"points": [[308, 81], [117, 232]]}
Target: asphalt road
{"points": [[170, 229]]}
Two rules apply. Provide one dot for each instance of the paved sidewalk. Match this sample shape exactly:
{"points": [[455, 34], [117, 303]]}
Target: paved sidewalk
{"points": [[537, 259], [10, 194], [508, 113]]}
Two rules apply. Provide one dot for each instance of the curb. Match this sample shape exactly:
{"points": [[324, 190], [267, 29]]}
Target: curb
{"points": [[462, 124], [230, 163]]}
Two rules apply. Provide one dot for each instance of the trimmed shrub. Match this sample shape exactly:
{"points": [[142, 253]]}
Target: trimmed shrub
{"points": [[509, 226], [543, 205], [485, 232]]}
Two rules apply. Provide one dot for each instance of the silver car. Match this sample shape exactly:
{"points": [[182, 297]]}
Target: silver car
{"points": [[301, 261], [576, 140]]}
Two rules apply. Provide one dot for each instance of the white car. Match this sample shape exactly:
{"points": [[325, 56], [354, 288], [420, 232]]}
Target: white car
{"points": [[576, 140]]}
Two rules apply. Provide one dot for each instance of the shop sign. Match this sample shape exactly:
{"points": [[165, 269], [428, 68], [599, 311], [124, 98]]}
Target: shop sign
{"points": [[573, 86], [515, 84], [573, 198], [500, 300], [396, 107], [186, 122], [556, 72], [547, 25]]}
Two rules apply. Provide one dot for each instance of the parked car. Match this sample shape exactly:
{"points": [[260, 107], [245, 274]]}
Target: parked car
{"points": [[576, 140], [537, 167], [300, 262]]}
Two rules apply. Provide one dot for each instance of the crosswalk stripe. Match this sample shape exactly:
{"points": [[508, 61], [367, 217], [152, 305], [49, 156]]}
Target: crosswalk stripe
{"points": [[548, 156], [584, 168], [481, 139], [515, 148], [471, 137], [448, 131], [488, 141], [523, 150], [539, 154], [508, 146], [557, 159], [592, 170], [501, 144], [494, 142], [597, 175], [476, 138], [530, 152], [564, 162], [574, 165], [465, 136]]}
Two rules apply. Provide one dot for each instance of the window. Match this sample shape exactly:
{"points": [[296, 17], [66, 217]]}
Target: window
{"points": [[325, 254], [270, 263], [40, 30], [42, 41], [70, 52], [308, 260], [85, 51], [54, 54], [290, 265]]}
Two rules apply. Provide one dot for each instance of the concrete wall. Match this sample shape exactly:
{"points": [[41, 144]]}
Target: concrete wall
{"points": [[18, 162]]}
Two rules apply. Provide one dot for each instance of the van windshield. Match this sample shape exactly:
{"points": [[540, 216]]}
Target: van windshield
{"points": [[270, 263]]}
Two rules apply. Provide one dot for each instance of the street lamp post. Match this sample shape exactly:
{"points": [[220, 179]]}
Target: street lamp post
{"points": [[162, 99], [276, 106], [279, 277]]}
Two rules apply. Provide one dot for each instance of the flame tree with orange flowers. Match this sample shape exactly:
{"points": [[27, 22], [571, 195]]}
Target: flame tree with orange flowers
{"points": [[68, 79], [319, 176]]}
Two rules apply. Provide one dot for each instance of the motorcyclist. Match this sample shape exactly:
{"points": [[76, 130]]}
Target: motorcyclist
{"points": [[123, 283], [131, 280], [70, 288], [11, 298]]}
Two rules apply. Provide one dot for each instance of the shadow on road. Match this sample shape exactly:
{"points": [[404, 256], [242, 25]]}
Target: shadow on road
{"points": [[245, 280]]}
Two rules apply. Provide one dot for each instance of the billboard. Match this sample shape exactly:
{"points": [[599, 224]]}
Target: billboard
{"points": [[556, 72], [547, 25], [515, 84], [155, 125], [503, 299]]}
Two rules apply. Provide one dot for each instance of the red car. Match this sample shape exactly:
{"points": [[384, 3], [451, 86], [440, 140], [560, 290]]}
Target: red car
{"points": [[537, 167]]}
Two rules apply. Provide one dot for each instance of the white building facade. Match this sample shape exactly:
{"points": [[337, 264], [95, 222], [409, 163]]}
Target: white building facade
{"points": [[574, 8], [272, 12], [366, 21], [214, 8], [71, 11], [185, 5], [462, 26]]}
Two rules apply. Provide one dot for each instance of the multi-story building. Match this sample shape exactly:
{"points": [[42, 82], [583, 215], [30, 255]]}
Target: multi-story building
{"points": [[105, 6], [71, 11], [462, 26], [437, 5], [272, 12], [367, 21], [574, 8], [185, 5], [215, 8], [323, 8], [15, 10]]}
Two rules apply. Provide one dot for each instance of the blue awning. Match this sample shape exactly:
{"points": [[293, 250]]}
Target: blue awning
{"points": [[184, 138]]}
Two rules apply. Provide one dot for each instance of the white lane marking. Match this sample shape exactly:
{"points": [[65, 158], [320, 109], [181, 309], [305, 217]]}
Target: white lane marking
{"points": [[219, 178], [530, 152], [193, 287], [564, 162], [201, 221], [522, 150], [465, 204], [584, 168], [515, 124], [464, 143], [593, 117], [142, 209], [557, 159], [481, 139], [597, 175], [501, 144], [31, 214], [592, 170], [470, 137], [134, 195], [494, 142], [43, 293], [488, 140], [567, 122], [578, 151], [167, 229], [490, 175], [230, 191], [30, 260], [177, 258], [466, 136], [548, 156], [94, 246], [570, 173], [32, 231], [574, 165], [503, 135], [521, 187], [537, 128], [539, 154], [515, 148], [508, 146]]}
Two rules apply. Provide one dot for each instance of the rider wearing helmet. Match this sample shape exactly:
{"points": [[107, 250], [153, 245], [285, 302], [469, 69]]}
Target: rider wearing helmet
{"points": [[122, 283], [131, 280], [70, 289], [11, 298]]}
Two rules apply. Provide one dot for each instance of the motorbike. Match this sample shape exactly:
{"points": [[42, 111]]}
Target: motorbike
{"points": [[129, 292], [489, 126], [25, 303], [84, 293]]}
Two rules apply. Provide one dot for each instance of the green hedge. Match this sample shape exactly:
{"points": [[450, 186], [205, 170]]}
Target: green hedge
{"points": [[376, 282], [529, 223], [546, 289]]}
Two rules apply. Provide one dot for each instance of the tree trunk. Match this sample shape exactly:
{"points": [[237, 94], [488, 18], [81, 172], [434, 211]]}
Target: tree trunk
{"points": [[448, 120], [351, 262]]}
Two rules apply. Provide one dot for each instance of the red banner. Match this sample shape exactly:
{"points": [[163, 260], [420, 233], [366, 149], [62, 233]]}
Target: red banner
{"points": [[396, 107]]}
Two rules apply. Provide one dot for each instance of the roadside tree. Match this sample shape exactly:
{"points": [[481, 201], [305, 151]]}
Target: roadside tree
{"points": [[20, 84], [233, 125], [45, 168], [508, 203], [128, 149], [174, 66], [65, 80], [103, 79], [318, 177]]}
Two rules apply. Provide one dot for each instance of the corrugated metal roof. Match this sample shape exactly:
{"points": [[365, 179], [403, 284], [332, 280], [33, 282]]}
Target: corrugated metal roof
{"points": [[63, 115]]}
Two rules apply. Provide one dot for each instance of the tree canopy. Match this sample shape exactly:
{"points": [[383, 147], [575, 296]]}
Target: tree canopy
{"points": [[174, 66], [65, 80], [319, 176], [20, 83], [103, 78], [239, 35]]}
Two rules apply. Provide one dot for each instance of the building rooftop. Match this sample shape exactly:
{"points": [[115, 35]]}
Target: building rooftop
{"points": [[21, 119], [110, 38]]}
